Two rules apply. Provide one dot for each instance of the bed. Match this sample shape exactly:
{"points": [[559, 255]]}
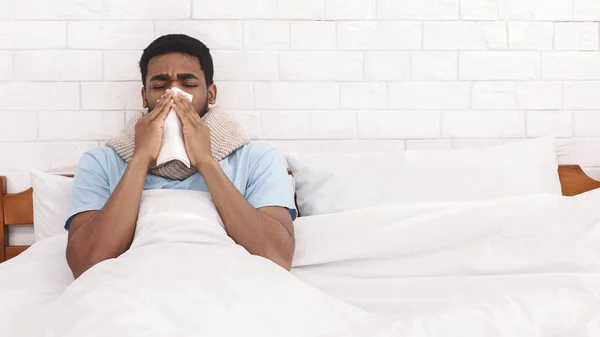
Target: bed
{"points": [[508, 266], [17, 209]]}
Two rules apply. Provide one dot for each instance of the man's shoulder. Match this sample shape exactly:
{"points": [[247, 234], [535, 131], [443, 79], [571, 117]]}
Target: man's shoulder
{"points": [[103, 155], [256, 152]]}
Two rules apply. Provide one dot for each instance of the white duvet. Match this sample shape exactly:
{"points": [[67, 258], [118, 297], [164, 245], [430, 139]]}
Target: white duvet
{"points": [[527, 266]]}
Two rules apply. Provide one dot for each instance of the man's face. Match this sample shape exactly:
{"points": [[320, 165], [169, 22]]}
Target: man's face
{"points": [[177, 70]]}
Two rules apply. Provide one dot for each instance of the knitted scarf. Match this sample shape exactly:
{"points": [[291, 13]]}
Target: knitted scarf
{"points": [[226, 136]]}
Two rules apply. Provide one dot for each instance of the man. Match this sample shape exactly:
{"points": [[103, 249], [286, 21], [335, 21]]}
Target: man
{"points": [[250, 188]]}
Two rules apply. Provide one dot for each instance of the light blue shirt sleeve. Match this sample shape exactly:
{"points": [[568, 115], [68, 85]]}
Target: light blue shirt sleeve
{"points": [[269, 183], [91, 188]]}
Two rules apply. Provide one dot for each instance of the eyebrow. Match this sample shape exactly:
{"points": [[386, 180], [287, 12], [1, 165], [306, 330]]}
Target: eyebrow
{"points": [[165, 77], [186, 76], [160, 77]]}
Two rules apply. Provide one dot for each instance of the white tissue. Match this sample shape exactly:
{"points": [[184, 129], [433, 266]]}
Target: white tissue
{"points": [[173, 146]]}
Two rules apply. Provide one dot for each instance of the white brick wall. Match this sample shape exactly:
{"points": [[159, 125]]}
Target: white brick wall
{"points": [[110, 34], [587, 124], [536, 10], [429, 95], [266, 35], [576, 36], [321, 66], [121, 65], [33, 35], [313, 35], [350, 9], [505, 65], [6, 11], [364, 95], [246, 65], [58, 9], [407, 124], [111, 96], [34, 96], [286, 125], [218, 35], [314, 75], [530, 35], [250, 120], [581, 95], [233, 9], [236, 95], [533, 95], [571, 66], [6, 66], [387, 66], [488, 124], [296, 96], [479, 9], [549, 123], [18, 126], [419, 9], [379, 35], [464, 35], [82, 126], [58, 65], [587, 10], [494, 96], [306, 9], [146, 10], [433, 65], [336, 124]]}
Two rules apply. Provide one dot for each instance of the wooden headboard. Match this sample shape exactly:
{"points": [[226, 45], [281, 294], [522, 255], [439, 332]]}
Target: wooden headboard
{"points": [[17, 209]]}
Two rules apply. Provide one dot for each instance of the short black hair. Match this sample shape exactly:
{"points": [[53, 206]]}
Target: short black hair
{"points": [[178, 43]]}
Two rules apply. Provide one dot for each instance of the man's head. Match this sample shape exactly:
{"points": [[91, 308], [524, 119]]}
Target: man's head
{"points": [[181, 61]]}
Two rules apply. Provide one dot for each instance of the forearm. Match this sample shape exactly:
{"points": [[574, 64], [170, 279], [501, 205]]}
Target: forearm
{"points": [[110, 232], [256, 231]]}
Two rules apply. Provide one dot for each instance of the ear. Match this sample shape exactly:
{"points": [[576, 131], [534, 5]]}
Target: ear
{"points": [[144, 98], [212, 94]]}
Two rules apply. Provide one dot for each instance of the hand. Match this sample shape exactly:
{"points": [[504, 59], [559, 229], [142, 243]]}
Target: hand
{"points": [[149, 130], [196, 133]]}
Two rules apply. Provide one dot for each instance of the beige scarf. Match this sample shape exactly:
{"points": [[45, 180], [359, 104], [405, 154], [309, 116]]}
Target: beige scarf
{"points": [[226, 136]]}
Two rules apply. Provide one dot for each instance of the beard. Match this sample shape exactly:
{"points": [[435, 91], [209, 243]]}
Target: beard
{"points": [[204, 110]]}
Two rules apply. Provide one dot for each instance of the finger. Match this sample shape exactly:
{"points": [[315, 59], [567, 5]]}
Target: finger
{"points": [[185, 109], [162, 115], [179, 110], [180, 101], [166, 101], [177, 98], [188, 107], [185, 117], [159, 106]]}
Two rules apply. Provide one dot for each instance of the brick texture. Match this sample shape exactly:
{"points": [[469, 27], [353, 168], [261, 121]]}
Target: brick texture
{"points": [[314, 75]]}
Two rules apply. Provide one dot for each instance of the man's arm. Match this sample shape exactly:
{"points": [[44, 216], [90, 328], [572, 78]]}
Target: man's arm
{"points": [[101, 235], [266, 232], [96, 236]]}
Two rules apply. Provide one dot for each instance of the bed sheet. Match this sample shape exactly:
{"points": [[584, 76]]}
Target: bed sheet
{"points": [[527, 266]]}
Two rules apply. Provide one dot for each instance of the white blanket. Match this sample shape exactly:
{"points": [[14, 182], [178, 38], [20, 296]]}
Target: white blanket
{"points": [[526, 266]]}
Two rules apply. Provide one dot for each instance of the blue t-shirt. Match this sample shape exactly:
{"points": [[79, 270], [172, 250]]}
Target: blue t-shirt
{"points": [[257, 170]]}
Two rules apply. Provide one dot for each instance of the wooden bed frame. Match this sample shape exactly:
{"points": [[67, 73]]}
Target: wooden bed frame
{"points": [[17, 209]]}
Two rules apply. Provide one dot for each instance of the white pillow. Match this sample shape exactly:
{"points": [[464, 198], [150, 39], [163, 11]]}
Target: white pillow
{"points": [[333, 182], [51, 194]]}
